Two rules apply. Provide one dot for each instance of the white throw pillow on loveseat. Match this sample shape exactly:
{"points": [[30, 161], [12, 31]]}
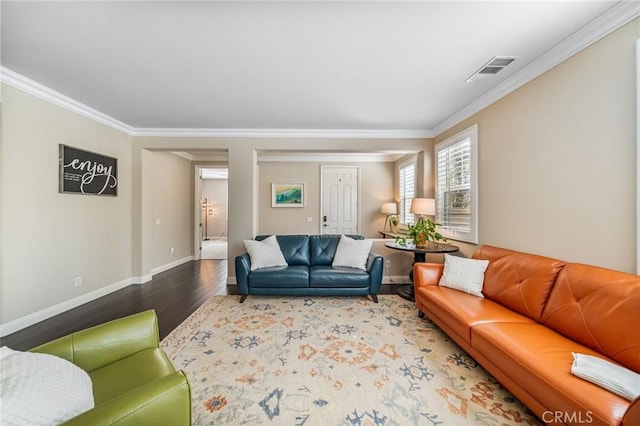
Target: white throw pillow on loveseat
{"points": [[41, 389], [265, 253], [352, 253]]}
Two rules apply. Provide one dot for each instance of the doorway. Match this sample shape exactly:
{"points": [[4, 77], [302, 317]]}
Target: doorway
{"points": [[213, 218], [340, 205]]}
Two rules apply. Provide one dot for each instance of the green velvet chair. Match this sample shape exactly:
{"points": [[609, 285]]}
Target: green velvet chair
{"points": [[133, 380]]}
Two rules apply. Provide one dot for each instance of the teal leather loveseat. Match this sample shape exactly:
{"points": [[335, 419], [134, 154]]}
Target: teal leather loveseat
{"points": [[133, 380], [309, 271]]}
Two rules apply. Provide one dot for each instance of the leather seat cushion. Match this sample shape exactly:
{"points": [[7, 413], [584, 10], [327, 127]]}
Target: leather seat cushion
{"points": [[136, 370], [327, 276], [460, 310], [541, 358], [280, 277]]}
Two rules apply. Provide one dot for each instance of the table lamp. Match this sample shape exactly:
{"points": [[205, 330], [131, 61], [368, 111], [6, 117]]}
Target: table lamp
{"points": [[423, 207], [389, 209]]}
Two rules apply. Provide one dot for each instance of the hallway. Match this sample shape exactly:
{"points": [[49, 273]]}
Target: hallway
{"points": [[214, 249]]}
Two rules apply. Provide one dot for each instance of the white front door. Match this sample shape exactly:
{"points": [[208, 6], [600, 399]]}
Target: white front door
{"points": [[339, 210]]}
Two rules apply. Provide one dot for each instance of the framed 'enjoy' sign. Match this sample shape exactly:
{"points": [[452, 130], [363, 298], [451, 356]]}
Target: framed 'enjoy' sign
{"points": [[84, 172]]}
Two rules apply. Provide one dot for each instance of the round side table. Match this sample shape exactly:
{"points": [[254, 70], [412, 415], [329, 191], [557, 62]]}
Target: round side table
{"points": [[419, 255]]}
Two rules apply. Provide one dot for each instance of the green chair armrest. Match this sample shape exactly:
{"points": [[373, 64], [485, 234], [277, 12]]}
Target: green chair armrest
{"points": [[106, 343], [166, 401]]}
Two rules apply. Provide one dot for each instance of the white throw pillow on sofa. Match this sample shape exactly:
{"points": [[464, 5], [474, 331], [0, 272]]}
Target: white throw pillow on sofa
{"points": [[265, 253], [41, 389], [464, 274], [352, 253], [614, 378]]}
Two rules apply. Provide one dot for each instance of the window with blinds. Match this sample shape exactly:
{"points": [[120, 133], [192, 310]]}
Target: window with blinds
{"points": [[407, 179], [456, 186]]}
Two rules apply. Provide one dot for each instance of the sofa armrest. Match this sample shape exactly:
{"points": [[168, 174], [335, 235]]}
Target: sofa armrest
{"points": [[425, 274], [375, 266], [632, 415], [106, 343], [163, 401], [243, 268]]}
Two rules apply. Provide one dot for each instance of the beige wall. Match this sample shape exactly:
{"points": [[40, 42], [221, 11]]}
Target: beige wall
{"points": [[243, 174], [556, 159], [215, 191], [49, 238], [172, 205], [376, 187]]}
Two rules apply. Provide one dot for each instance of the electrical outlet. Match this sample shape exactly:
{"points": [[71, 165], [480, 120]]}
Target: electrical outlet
{"points": [[387, 264], [171, 250], [78, 281]]}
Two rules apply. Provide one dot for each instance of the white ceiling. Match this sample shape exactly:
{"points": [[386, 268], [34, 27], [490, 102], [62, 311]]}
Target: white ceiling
{"points": [[324, 65]]}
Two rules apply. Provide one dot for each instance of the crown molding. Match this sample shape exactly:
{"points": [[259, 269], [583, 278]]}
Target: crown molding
{"points": [[614, 18], [36, 89], [284, 133], [314, 157]]}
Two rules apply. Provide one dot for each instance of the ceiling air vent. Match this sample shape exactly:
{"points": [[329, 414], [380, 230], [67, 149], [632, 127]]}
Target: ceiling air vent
{"points": [[491, 68]]}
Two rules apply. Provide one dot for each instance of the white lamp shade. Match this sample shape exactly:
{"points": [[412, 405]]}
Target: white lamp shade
{"points": [[423, 206], [389, 208]]}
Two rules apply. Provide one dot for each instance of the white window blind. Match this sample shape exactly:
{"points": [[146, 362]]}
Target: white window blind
{"points": [[456, 187], [407, 179]]}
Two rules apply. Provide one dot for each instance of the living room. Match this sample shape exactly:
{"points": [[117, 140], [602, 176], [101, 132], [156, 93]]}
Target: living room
{"points": [[557, 171]]}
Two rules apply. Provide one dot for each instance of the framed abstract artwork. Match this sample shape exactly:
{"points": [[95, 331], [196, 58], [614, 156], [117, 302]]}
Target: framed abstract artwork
{"points": [[287, 195]]}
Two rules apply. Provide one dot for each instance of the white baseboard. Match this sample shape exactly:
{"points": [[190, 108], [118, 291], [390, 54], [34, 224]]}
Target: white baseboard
{"points": [[173, 264], [51, 311], [141, 280]]}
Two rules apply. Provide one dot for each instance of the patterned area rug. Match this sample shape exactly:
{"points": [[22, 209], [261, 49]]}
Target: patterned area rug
{"points": [[331, 361]]}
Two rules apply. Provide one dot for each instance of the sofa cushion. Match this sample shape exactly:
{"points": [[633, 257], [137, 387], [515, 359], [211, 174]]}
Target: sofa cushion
{"points": [[599, 308], [291, 276], [541, 358], [520, 281], [295, 249], [119, 377], [323, 248], [327, 276], [461, 311], [466, 275]]}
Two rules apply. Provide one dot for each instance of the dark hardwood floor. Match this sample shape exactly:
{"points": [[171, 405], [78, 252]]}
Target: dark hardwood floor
{"points": [[174, 294]]}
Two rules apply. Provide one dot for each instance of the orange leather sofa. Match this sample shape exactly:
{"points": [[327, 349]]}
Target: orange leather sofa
{"points": [[535, 312]]}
